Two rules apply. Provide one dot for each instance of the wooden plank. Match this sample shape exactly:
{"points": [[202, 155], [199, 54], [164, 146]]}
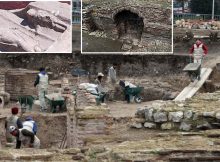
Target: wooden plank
{"points": [[192, 88]]}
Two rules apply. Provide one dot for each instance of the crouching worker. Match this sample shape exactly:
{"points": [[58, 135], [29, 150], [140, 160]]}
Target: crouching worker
{"points": [[24, 137], [30, 125], [12, 120]]}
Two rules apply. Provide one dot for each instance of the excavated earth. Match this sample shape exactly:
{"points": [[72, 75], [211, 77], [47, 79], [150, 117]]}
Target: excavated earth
{"points": [[122, 143]]}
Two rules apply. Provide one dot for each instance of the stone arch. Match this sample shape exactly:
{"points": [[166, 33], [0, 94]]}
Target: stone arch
{"points": [[128, 23]]}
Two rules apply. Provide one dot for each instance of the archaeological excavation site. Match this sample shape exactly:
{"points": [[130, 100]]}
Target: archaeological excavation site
{"points": [[35, 26], [108, 107], [126, 26], [162, 127]]}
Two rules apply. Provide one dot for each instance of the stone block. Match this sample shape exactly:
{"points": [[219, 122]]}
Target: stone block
{"points": [[209, 114], [149, 125], [149, 114], [175, 116], [185, 126], [167, 126], [136, 125], [160, 117], [188, 114], [217, 115]]}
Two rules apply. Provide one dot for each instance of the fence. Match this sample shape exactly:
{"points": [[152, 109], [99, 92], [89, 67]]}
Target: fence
{"points": [[179, 16]]}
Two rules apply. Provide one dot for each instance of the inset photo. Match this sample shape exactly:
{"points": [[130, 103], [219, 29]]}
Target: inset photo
{"points": [[35, 26], [129, 26]]}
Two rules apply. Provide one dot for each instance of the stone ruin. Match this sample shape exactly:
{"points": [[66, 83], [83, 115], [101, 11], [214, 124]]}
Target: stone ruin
{"points": [[198, 113], [85, 118], [136, 24], [39, 27], [197, 24]]}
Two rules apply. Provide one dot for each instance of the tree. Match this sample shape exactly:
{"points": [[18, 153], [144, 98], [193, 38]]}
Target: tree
{"points": [[204, 6]]}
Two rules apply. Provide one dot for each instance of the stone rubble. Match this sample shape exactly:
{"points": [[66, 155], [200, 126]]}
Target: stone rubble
{"points": [[198, 24], [199, 113]]}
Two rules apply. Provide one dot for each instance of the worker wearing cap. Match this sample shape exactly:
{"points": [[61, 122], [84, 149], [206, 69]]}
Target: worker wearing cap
{"points": [[42, 83], [24, 137], [30, 125], [12, 120], [198, 51], [100, 86]]}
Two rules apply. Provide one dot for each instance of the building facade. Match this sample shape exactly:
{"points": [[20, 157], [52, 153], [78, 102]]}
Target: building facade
{"points": [[76, 11]]}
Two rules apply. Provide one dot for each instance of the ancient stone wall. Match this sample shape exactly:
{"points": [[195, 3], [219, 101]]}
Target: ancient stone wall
{"points": [[51, 128], [199, 113], [2, 81], [20, 82], [156, 19], [2, 130], [85, 118], [127, 65]]}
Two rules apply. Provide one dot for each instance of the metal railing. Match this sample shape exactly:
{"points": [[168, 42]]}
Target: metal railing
{"points": [[179, 16]]}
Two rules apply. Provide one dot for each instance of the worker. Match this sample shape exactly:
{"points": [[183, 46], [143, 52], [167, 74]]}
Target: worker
{"points": [[100, 87], [112, 74], [30, 125], [99, 79], [24, 137], [112, 79], [42, 83], [198, 51], [12, 120]]}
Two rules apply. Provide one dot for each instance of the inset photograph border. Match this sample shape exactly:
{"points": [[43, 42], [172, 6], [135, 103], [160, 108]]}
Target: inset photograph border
{"points": [[119, 27], [42, 26]]}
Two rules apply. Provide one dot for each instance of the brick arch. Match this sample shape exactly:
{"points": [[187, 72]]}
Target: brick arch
{"points": [[131, 9], [128, 23]]}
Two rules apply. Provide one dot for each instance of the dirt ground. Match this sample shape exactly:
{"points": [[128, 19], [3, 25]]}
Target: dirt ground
{"points": [[120, 109]]}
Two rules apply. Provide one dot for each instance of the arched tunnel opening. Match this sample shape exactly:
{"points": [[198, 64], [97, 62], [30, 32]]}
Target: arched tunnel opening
{"points": [[129, 25]]}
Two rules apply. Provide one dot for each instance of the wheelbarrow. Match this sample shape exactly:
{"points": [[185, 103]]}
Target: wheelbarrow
{"points": [[54, 100], [133, 92], [194, 70], [99, 97], [26, 102]]}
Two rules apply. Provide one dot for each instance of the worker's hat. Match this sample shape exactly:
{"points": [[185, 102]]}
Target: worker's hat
{"points": [[14, 110], [29, 118], [12, 129], [100, 74]]}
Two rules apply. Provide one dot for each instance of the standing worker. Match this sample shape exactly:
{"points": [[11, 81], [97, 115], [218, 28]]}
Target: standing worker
{"points": [[112, 79], [30, 125], [100, 86], [24, 137], [198, 51], [12, 120], [112, 74], [42, 83]]}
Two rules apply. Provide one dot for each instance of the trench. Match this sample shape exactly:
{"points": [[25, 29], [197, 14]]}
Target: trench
{"points": [[212, 84], [51, 129], [163, 79]]}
